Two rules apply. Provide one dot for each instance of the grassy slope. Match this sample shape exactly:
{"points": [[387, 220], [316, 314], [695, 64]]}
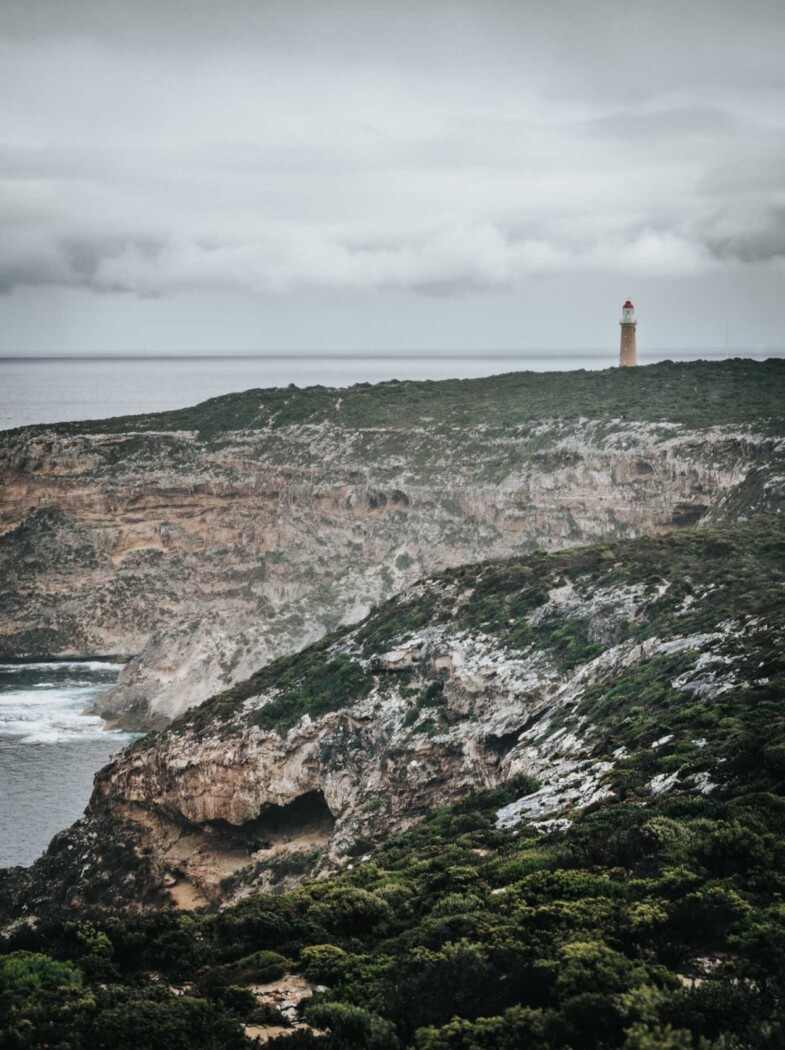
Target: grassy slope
{"points": [[734, 571], [652, 922], [699, 394]]}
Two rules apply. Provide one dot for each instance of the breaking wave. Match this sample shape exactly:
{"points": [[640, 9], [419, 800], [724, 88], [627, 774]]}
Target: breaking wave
{"points": [[61, 665], [48, 715], [50, 749], [47, 702]]}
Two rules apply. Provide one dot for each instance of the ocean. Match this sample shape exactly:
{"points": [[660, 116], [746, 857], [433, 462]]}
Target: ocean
{"points": [[49, 750]]}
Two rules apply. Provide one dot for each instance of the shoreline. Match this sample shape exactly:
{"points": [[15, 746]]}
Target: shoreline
{"points": [[70, 658]]}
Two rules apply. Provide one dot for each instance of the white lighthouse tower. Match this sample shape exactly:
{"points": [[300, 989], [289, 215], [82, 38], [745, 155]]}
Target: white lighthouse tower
{"points": [[628, 354]]}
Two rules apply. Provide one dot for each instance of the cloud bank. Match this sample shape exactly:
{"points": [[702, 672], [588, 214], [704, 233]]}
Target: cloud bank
{"points": [[440, 148]]}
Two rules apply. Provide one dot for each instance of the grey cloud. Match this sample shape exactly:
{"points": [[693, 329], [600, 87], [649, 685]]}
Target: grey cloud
{"points": [[478, 258], [33, 261], [671, 122], [435, 147], [751, 174], [757, 236]]}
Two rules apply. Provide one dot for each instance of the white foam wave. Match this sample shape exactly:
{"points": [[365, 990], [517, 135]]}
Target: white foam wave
{"points": [[47, 712], [56, 665], [43, 732], [60, 696]]}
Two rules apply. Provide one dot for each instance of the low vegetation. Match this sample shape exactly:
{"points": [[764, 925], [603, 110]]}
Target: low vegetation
{"points": [[650, 925], [652, 921], [697, 393]]}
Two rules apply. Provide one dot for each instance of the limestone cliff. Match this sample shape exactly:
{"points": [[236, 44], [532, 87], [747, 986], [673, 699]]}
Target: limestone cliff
{"points": [[205, 543], [608, 671]]}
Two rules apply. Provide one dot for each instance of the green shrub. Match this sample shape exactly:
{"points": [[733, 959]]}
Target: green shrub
{"points": [[352, 1027], [178, 1024], [350, 912], [24, 972], [324, 963]]}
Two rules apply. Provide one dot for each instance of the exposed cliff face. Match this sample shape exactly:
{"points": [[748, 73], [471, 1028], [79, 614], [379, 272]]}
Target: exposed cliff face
{"points": [[208, 542], [535, 668]]}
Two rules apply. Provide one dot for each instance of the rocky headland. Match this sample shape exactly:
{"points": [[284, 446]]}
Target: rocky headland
{"points": [[204, 543], [579, 678]]}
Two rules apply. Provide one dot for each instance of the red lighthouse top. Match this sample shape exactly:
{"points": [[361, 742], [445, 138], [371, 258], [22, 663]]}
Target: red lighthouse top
{"points": [[628, 305]]}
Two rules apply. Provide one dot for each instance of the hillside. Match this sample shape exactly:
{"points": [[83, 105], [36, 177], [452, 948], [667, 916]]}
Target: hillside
{"points": [[205, 542], [577, 668], [550, 794]]}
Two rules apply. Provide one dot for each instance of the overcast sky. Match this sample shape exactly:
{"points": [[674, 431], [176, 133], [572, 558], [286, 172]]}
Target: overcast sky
{"points": [[240, 176]]}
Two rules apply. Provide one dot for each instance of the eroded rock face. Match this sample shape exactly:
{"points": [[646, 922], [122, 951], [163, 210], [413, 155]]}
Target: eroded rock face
{"points": [[375, 767], [205, 559], [471, 680]]}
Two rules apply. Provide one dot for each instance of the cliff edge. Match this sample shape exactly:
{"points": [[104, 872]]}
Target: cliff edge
{"points": [[207, 542]]}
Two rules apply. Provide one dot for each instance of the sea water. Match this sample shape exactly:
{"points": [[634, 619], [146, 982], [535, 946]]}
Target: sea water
{"points": [[50, 749]]}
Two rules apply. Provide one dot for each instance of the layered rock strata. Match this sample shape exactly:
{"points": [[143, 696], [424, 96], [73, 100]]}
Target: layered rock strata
{"points": [[204, 556]]}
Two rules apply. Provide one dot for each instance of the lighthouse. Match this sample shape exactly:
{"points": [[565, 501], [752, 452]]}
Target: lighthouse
{"points": [[628, 354]]}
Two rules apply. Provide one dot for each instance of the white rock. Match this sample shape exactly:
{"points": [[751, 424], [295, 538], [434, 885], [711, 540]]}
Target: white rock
{"points": [[662, 741], [663, 782]]}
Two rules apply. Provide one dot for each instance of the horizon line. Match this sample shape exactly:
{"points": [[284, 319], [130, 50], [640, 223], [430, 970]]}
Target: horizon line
{"points": [[386, 355]]}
